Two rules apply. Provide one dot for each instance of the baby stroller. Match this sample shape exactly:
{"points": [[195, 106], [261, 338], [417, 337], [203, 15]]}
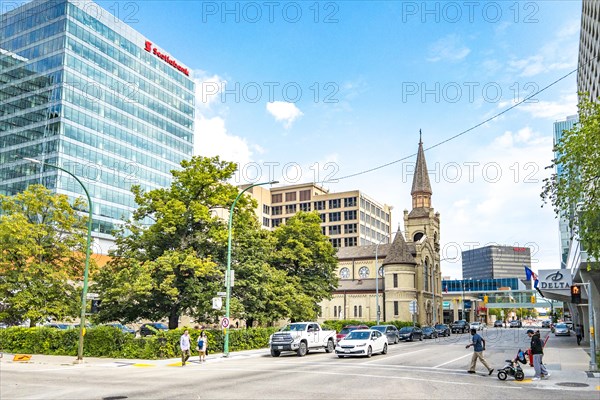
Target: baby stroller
{"points": [[513, 367]]}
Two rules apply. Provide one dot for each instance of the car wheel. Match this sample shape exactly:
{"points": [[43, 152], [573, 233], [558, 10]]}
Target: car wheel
{"points": [[502, 375], [340, 356], [410, 339], [302, 350], [421, 338], [384, 351], [519, 375], [330, 347], [369, 352], [396, 340], [275, 353]]}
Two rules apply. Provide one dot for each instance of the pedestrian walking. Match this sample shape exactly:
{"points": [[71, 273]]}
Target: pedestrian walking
{"points": [[579, 333], [537, 352], [478, 348], [201, 346], [184, 344]]}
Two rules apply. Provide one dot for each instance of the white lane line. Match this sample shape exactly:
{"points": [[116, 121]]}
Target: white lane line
{"points": [[451, 361], [387, 357]]}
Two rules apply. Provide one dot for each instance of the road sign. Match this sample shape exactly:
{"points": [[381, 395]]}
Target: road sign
{"points": [[225, 322], [412, 307], [221, 293], [217, 303]]}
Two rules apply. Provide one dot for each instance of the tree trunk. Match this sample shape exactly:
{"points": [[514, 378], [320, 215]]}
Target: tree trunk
{"points": [[173, 319], [249, 323]]}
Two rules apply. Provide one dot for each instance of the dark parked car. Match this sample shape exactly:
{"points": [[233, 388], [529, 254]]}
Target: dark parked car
{"points": [[152, 328], [429, 332], [410, 333], [347, 329], [390, 331], [59, 326], [498, 324], [122, 328], [461, 326], [546, 323], [442, 329]]}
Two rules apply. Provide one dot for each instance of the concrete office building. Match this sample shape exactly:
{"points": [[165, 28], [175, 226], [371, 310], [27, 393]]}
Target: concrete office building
{"points": [[349, 218], [82, 90], [495, 262], [589, 48]]}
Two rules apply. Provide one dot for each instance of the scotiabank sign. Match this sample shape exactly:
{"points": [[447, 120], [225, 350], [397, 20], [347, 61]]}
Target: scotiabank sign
{"points": [[150, 49]]}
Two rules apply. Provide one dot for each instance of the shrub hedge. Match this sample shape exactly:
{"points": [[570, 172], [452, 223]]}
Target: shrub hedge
{"points": [[106, 341], [337, 325]]}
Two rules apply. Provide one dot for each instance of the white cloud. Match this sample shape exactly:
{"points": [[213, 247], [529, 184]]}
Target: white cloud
{"points": [[208, 88], [448, 48], [565, 105], [211, 139], [284, 111]]}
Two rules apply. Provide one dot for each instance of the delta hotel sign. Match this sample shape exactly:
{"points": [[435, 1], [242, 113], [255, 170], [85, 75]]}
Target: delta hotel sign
{"points": [[165, 58]]}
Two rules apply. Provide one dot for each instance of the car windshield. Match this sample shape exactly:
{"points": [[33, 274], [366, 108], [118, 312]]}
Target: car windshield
{"points": [[561, 326], [440, 326], [160, 326], [354, 335], [379, 328], [294, 327], [427, 329], [406, 330]]}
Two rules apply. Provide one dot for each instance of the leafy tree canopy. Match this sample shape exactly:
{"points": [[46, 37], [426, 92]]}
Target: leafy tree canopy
{"points": [[576, 190], [42, 254]]}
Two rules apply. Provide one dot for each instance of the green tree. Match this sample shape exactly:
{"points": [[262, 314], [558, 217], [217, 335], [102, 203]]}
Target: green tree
{"points": [[42, 254], [302, 251], [175, 264], [577, 187]]}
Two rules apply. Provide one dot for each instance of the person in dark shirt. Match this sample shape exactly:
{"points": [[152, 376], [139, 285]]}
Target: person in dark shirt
{"points": [[537, 352], [478, 348]]}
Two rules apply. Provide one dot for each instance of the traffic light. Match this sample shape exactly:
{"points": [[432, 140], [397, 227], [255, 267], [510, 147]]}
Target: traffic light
{"points": [[95, 306], [575, 294], [485, 299], [533, 299]]}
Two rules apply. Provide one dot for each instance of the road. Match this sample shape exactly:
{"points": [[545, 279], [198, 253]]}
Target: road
{"points": [[429, 369]]}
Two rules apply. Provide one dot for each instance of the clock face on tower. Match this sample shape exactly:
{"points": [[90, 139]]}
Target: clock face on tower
{"points": [[363, 272], [344, 273]]}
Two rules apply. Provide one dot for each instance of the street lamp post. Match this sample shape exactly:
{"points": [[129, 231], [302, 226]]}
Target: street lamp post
{"points": [[228, 271], [87, 254]]}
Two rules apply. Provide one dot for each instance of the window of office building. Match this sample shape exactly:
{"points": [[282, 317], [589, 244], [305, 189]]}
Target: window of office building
{"points": [[290, 196], [323, 217], [335, 203], [324, 230], [276, 198], [350, 202], [336, 242], [275, 222], [320, 205], [290, 208], [349, 228], [335, 230], [396, 308], [305, 207], [266, 221], [395, 280], [335, 216], [350, 242], [349, 215], [276, 210], [305, 195], [266, 209]]}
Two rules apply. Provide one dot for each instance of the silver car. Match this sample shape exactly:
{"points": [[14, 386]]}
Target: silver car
{"points": [[390, 331], [561, 330]]}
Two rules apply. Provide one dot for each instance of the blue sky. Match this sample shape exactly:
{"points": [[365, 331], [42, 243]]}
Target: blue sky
{"points": [[362, 78]]}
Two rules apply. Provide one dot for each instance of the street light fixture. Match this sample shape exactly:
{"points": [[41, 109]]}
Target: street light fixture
{"points": [[87, 254], [228, 271]]}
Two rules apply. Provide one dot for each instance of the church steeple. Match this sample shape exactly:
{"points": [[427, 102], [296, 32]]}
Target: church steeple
{"points": [[421, 188]]}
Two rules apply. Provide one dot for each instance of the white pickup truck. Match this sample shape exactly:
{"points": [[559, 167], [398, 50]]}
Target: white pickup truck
{"points": [[301, 337]]}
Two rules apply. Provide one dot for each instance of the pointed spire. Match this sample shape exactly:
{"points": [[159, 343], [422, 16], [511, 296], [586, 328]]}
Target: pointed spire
{"points": [[399, 252], [421, 188]]}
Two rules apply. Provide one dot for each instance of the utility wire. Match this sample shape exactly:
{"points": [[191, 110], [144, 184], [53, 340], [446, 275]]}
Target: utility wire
{"points": [[458, 134]]}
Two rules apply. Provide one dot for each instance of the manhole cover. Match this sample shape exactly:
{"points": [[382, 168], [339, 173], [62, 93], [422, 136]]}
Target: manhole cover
{"points": [[572, 384]]}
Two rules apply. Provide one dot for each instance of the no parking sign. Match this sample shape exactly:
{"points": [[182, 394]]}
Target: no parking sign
{"points": [[225, 323]]}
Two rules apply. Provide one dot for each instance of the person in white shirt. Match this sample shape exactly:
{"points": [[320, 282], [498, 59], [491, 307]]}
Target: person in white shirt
{"points": [[184, 343]]}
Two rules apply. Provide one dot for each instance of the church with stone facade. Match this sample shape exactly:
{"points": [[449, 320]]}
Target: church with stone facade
{"points": [[408, 269]]}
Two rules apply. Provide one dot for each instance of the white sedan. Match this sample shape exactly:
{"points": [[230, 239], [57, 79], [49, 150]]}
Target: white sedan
{"points": [[478, 326], [362, 342]]}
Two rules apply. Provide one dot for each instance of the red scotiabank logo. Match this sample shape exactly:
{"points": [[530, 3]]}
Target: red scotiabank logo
{"points": [[520, 248], [165, 58]]}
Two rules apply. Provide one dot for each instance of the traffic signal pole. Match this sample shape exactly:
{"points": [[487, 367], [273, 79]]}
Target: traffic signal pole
{"points": [[593, 365]]}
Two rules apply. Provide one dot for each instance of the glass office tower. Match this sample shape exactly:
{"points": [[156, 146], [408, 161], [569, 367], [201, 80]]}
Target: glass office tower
{"points": [[82, 90]]}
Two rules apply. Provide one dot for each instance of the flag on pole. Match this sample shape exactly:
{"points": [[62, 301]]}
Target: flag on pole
{"points": [[530, 275]]}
